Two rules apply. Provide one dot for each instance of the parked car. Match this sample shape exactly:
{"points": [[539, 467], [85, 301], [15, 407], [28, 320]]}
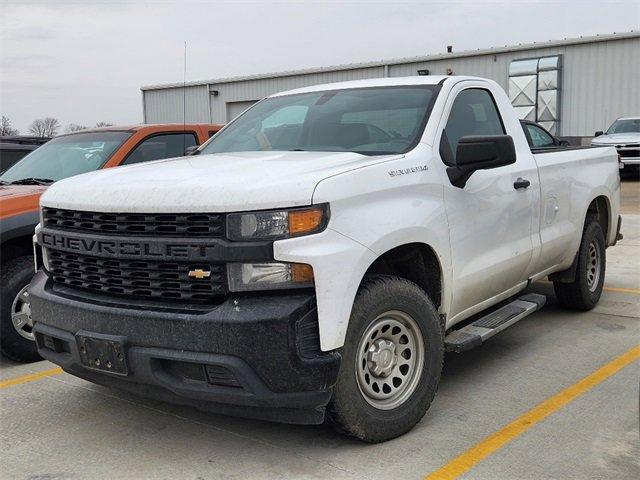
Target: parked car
{"points": [[539, 137], [624, 134], [13, 148], [63, 157], [319, 255]]}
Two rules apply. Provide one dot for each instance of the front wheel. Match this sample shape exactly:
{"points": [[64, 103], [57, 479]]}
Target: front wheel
{"points": [[391, 361], [585, 290], [16, 326]]}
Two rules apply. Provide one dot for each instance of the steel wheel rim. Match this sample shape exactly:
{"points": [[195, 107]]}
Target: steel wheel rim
{"points": [[593, 266], [389, 360], [21, 315]]}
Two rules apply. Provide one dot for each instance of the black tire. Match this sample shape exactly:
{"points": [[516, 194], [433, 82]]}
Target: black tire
{"points": [[16, 274], [348, 409], [579, 294]]}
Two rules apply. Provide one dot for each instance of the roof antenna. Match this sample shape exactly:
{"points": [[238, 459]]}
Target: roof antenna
{"points": [[184, 102]]}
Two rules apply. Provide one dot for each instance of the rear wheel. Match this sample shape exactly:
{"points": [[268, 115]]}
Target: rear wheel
{"points": [[391, 361], [16, 325], [585, 290]]}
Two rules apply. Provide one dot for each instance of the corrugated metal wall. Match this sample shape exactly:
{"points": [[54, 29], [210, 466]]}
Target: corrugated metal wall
{"points": [[600, 82], [166, 105]]}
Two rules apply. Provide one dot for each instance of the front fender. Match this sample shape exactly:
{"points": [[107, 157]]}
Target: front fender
{"points": [[373, 209], [339, 263], [434, 238], [20, 225]]}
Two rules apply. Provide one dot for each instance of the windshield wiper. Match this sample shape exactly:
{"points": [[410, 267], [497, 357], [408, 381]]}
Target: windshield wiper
{"points": [[33, 181]]}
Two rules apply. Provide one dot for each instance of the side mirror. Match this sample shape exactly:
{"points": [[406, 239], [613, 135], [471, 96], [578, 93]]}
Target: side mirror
{"points": [[192, 150], [598, 133], [563, 143], [480, 153]]}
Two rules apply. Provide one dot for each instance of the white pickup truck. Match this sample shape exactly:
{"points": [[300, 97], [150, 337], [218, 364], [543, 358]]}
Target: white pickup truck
{"points": [[321, 253]]}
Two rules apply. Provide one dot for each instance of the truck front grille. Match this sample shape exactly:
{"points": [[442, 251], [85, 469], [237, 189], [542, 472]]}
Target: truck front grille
{"points": [[158, 280], [211, 225], [629, 153]]}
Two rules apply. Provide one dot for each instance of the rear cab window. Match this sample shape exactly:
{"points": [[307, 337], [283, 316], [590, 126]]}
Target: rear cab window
{"points": [[539, 138]]}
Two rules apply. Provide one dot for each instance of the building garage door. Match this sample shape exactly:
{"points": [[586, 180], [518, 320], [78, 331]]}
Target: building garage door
{"points": [[236, 108]]}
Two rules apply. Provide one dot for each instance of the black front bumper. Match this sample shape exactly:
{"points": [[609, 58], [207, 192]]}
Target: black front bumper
{"points": [[253, 356]]}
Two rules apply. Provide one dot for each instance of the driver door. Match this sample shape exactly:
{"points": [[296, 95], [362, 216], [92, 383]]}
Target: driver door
{"points": [[491, 221]]}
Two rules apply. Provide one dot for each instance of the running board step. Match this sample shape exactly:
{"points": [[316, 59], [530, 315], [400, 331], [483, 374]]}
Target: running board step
{"points": [[486, 327]]}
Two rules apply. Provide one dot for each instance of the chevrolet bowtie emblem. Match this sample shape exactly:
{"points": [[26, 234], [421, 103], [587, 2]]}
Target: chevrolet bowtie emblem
{"points": [[199, 273]]}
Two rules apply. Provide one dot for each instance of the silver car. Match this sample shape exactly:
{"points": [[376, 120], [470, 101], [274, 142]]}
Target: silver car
{"points": [[624, 134]]}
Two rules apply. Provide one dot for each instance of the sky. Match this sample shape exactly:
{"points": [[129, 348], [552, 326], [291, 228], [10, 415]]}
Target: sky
{"points": [[84, 61]]}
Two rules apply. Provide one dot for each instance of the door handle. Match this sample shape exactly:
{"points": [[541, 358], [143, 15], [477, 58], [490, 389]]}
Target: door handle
{"points": [[521, 183]]}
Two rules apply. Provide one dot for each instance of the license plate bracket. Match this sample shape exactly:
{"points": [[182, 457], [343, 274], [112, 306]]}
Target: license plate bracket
{"points": [[105, 353]]}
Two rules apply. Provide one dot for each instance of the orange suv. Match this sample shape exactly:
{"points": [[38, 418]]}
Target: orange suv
{"points": [[23, 183]]}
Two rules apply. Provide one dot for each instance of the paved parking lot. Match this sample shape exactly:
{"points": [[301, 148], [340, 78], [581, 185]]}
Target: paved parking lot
{"points": [[555, 396]]}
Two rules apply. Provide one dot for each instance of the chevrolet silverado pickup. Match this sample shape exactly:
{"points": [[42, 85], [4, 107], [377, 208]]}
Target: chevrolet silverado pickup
{"points": [[316, 258], [23, 183]]}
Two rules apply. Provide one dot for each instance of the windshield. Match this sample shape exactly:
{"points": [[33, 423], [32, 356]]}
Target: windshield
{"points": [[66, 156], [631, 125], [370, 121]]}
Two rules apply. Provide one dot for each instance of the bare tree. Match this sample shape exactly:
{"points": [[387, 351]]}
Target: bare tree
{"points": [[45, 127], [104, 124], [74, 127], [5, 127], [37, 128]]}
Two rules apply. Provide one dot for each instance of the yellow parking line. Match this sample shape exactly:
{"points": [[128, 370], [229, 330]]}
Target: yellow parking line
{"points": [[467, 460], [31, 377], [623, 290], [635, 291]]}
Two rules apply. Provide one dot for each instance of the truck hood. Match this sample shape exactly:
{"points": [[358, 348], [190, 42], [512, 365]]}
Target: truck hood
{"points": [[206, 183], [17, 191], [16, 199], [616, 139]]}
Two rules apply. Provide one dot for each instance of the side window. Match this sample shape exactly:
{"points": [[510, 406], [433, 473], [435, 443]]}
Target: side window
{"points": [[473, 113], [539, 138], [161, 146]]}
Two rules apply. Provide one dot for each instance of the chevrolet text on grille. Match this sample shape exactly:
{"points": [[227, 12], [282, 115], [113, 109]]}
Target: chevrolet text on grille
{"points": [[129, 248]]}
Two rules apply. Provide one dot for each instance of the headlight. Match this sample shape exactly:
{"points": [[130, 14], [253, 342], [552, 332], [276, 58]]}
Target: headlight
{"points": [[277, 224], [268, 276]]}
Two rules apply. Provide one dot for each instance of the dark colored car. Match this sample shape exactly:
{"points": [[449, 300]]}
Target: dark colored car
{"points": [[13, 148]]}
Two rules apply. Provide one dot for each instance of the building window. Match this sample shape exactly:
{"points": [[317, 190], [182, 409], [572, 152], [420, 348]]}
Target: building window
{"points": [[534, 90]]}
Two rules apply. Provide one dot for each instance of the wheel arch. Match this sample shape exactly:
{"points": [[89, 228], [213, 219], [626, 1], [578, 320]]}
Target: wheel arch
{"points": [[600, 207], [416, 262], [16, 233], [15, 247]]}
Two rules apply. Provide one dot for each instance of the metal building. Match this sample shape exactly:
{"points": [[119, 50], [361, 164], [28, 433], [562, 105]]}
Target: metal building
{"points": [[572, 86]]}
